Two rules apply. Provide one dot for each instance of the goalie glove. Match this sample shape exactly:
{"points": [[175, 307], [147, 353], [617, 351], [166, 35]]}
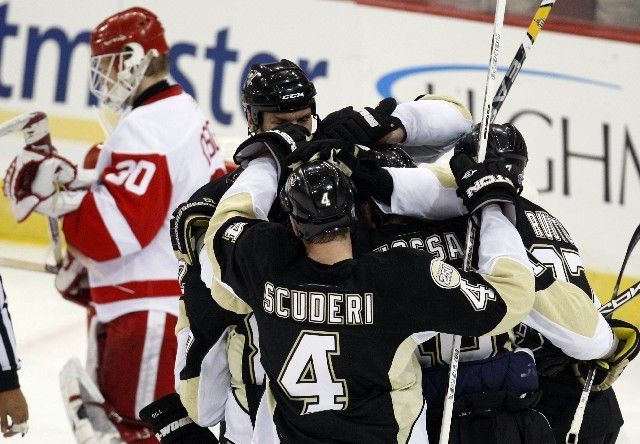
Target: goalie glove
{"points": [[172, 424], [365, 126], [609, 370]]}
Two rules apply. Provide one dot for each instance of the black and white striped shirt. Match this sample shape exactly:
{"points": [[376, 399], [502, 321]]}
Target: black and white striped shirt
{"points": [[9, 361]]}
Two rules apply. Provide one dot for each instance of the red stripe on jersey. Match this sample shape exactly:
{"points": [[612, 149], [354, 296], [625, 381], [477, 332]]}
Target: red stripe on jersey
{"points": [[218, 173], [135, 290], [85, 230], [175, 90], [141, 187]]}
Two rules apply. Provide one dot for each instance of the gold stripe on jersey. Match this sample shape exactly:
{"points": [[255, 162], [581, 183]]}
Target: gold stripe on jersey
{"points": [[238, 205], [183, 319], [235, 348], [566, 305], [444, 175], [463, 109], [515, 285], [189, 396], [405, 377]]}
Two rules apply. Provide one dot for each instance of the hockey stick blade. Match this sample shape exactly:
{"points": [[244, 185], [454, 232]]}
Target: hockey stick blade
{"points": [[539, 19], [621, 299]]}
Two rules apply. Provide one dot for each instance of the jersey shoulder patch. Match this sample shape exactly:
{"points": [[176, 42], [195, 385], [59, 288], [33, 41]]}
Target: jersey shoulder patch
{"points": [[444, 275]]}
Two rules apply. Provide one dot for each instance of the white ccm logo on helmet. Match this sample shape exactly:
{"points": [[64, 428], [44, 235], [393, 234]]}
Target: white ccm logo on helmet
{"points": [[292, 96]]}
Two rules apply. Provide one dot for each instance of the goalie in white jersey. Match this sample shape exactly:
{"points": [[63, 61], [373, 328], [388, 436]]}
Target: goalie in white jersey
{"points": [[160, 151]]}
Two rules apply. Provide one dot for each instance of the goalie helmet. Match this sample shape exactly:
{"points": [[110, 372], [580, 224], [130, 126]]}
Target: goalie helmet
{"points": [[277, 87], [320, 198], [122, 46]]}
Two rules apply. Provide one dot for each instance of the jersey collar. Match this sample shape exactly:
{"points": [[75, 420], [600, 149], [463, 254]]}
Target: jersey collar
{"points": [[155, 92]]}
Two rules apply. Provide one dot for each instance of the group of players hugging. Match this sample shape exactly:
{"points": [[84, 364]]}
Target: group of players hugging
{"points": [[321, 282]]}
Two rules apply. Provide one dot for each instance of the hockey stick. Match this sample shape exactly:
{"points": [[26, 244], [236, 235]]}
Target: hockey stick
{"points": [[606, 310], [572, 436], [539, 19], [28, 265], [447, 410]]}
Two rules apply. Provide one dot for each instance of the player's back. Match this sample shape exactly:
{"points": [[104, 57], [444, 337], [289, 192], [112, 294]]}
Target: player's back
{"points": [[343, 367]]}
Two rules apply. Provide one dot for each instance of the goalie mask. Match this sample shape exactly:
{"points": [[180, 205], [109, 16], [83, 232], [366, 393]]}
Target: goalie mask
{"points": [[277, 87], [320, 199], [122, 47]]}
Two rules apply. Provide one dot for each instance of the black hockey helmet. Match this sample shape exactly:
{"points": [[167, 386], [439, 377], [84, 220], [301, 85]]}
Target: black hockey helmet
{"points": [[507, 145], [320, 198], [277, 87], [394, 157]]}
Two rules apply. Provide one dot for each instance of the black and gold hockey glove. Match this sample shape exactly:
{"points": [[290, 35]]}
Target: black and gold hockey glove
{"points": [[172, 424], [188, 223], [365, 126], [481, 184], [278, 142], [608, 371]]}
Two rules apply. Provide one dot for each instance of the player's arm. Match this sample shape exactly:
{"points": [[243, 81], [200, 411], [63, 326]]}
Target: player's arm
{"points": [[116, 211], [427, 192], [490, 301], [565, 315], [431, 122], [233, 236]]}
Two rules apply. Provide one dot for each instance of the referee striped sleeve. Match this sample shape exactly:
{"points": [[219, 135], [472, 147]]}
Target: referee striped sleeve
{"points": [[9, 362]]}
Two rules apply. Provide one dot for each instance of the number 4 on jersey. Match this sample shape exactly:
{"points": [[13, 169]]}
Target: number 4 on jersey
{"points": [[308, 374]]}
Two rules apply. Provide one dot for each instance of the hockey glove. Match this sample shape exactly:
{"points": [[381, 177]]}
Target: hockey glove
{"points": [[365, 126], [171, 423], [278, 142], [33, 177], [188, 223], [481, 184], [608, 371], [72, 281]]}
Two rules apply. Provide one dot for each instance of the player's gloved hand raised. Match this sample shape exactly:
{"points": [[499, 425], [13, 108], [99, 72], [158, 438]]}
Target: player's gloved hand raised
{"points": [[278, 142], [608, 371], [33, 177], [481, 184], [172, 424], [365, 126]]}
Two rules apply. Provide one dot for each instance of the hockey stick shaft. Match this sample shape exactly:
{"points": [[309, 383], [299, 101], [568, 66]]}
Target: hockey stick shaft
{"points": [[447, 411], [606, 310], [27, 265], [492, 73], [576, 423], [539, 19], [621, 299]]}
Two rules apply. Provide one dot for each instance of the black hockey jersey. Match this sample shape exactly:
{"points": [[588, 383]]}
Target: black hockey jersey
{"points": [[339, 357]]}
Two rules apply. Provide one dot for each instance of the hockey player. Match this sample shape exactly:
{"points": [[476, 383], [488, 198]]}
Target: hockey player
{"points": [[316, 304], [119, 226], [495, 385], [266, 96], [14, 412]]}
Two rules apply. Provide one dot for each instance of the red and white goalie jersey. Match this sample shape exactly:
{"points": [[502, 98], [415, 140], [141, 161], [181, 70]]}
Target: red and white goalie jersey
{"points": [[161, 151]]}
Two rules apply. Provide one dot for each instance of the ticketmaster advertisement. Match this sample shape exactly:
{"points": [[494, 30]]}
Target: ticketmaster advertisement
{"points": [[574, 99]]}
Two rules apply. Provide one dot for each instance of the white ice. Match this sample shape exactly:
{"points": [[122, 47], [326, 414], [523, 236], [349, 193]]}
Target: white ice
{"points": [[50, 330]]}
